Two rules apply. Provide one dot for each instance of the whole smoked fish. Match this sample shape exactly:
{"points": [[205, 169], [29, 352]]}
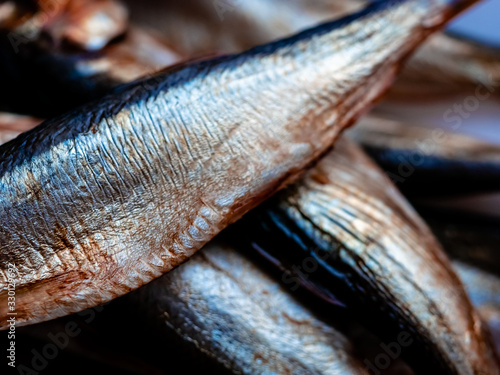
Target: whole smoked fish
{"points": [[101, 200], [345, 233]]}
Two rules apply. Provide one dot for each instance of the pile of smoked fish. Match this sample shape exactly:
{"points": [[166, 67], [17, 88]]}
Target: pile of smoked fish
{"points": [[178, 193]]}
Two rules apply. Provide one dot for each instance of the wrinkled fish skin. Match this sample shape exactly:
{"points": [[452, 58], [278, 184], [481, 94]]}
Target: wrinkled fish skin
{"points": [[443, 66], [224, 305], [102, 200], [334, 358], [423, 161], [344, 232]]}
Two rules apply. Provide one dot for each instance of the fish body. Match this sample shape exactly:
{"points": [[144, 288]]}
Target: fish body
{"points": [[445, 65], [345, 232], [101, 200], [55, 48], [224, 306]]}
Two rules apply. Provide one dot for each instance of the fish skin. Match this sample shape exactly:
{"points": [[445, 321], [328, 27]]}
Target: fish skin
{"points": [[445, 65], [335, 357], [101, 200], [429, 162], [225, 306], [346, 233]]}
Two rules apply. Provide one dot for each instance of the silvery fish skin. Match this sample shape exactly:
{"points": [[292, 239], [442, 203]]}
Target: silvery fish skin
{"points": [[334, 357], [484, 291], [346, 233], [195, 27], [424, 161], [222, 304], [445, 65], [47, 79], [101, 200]]}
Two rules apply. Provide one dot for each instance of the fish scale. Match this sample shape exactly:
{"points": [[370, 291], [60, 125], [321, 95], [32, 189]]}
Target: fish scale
{"points": [[356, 57], [390, 273]]}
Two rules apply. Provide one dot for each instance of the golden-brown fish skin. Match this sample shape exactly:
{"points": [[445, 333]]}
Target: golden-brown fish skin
{"points": [[104, 199], [224, 306], [346, 233], [444, 66]]}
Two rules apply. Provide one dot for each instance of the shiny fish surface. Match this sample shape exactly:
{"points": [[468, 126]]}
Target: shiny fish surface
{"points": [[345, 232], [36, 73], [101, 200], [223, 305], [445, 65]]}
